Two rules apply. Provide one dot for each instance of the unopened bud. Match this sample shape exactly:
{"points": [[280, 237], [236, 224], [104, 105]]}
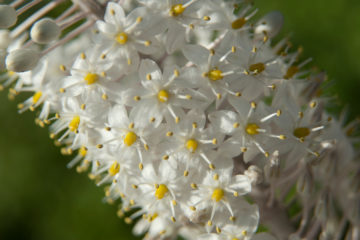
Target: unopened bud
{"points": [[5, 38], [44, 31], [7, 16], [270, 24], [22, 60]]}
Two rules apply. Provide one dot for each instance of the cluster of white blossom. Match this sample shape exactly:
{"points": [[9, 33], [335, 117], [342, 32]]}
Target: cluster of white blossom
{"points": [[181, 108]]}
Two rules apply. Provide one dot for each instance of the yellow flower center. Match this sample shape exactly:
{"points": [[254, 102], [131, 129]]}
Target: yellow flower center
{"points": [[163, 96], [301, 132], [257, 68], [114, 169], [191, 145], [74, 124], [36, 97], [121, 38], [91, 78], [83, 151], [176, 10], [217, 194], [252, 129], [238, 23], [130, 138], [215, 74], [161, 191], [291, 72]]}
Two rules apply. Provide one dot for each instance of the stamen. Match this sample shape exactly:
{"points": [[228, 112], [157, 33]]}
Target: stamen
{"points": [[257, 68], [74, 124], [238, 23], [36, 97], [176, 10], [114, 169]]}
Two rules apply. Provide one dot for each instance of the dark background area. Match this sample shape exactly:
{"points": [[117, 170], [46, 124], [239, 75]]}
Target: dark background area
{"points": [[41, 199]]}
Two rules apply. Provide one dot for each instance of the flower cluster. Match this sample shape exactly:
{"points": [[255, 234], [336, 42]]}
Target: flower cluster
{"points": [[182, 109]]}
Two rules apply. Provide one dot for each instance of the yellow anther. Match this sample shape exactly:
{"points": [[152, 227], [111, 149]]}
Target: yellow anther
{"points": [[152, 119], [169, 134], [278, 113], [31, 108], [62, 90], [209, 223], [130, 139], [132, 202], [301, 132], [137, 98], [206, 18], [191, 145], [212, 166], [121, 38], [192, 208], [108, 129], [257, 68], [162, 232], [146, 147], [188, 97], [147, 43], [36, 97], [282, 137], [177, 119], [52, 135], [236, 194], [214, 141], [112, 11], [253, 104], [114, 169], [91, 78], [217, 194], [176, 10], [191, 26], [291, 72], [244, 232], [83, 106], [218, 96], [236, 125], [174, 202], [128, 220], [212, 52], [266, 154], [82, 55], [232, 218], [120, 213], [252, 129], [83, 151], [186, 173], [134, 186], [193, 186], [173, 219], [62, 68], [97, 163], [233, 49], [165, 157], [161, 191], [194, 125], [218, 230], [129, 62], [103, 56], [238, 23], [163, 96], [148, 76], [74, 123], [176, 73], [301, 114], [139, 19], [216, 177], [312, 104], [105, 96], [99, 146], [215, 74]]}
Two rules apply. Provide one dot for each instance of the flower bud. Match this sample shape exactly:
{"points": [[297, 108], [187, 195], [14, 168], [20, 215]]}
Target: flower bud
{"points": [[270, 24], [255, 174], [7, 16], [22, 60], [45, 31], [5, 38]]}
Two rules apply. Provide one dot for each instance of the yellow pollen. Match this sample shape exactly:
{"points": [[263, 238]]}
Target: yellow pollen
{"points": [[36, 97], [301, 132], [191, 145], [257, 68], [252, 129], [176, 10], [130, 138], [215, 74], [74, 124], [91, 78], [114, 169], [163, 96], [121, 38], [83, 151], [291, 72], [238, 23], [152, 218], [218, 194], [161, 191]]}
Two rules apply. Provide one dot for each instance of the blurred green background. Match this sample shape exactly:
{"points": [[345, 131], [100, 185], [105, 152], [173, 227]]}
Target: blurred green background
{"points": [[41, 199]]}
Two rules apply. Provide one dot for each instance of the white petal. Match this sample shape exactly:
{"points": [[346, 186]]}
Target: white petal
{"points": [[114, 14], [241, 184], [224, 121], [196, 54]]}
